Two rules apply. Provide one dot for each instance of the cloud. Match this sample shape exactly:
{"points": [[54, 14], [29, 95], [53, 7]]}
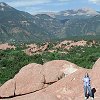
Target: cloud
{"points": [[64, 0], [95, 1], [26, 3], [33, 6]]}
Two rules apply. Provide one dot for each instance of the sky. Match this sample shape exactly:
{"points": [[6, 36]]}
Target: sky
{"points": [[38, 6]]}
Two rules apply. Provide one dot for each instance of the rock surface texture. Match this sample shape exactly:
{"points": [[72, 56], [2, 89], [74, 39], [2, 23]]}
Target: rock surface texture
{"points": [[55, 80]]}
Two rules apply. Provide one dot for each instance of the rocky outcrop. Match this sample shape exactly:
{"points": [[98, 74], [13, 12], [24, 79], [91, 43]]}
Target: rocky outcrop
{"points": [[57, 69], [8, 89], [95, 75], [33, 48], [69, 87], [34, 77], [41, 96], [6, 46], [29, 79], [35, 96], [69, 44]]}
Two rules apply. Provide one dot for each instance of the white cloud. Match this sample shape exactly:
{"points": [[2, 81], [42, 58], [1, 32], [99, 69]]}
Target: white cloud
{"points": [[95, 1], [25, 3], [64, 0]]}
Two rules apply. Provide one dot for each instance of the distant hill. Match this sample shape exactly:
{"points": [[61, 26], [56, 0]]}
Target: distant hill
{"points": [[81, 27], [16, 25], [19, 26]]}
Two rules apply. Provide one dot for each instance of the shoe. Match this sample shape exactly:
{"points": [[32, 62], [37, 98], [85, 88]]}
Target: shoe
{"points": [[85, 98], [92, 98]]}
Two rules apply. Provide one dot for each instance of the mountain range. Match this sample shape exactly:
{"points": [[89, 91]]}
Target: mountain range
{"points": [[19, 26], [74, 13]]}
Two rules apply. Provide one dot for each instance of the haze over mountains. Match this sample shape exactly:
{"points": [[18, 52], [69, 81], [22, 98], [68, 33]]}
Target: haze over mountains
{"points": [[19, 26]]}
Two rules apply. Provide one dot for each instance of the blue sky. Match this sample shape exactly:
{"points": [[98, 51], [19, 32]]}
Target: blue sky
{"points": [[36, 6]]}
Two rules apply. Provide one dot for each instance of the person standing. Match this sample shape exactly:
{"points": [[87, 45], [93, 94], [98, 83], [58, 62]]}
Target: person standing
{"points": [[87, 87]]}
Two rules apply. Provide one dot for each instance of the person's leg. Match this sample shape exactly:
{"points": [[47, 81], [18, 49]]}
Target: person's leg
{"points": [[90, 91], [85, 91]]}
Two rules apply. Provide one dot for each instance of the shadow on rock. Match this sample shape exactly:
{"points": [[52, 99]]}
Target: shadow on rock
{"points": [[93, 91]]}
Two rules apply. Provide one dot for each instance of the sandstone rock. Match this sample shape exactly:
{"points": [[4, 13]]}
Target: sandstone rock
{"points": [[33, 76], [45, 96], [8, 89], [6, 46], [44, 47], [69, 87], [96, 65], [69, 44], [29, 79], [95, 77], [33, 48], [55, 70], [35, 96]]}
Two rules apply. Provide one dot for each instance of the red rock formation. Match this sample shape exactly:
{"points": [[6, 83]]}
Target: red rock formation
{"points": [[55, 70], [6, 46], [29, 79], [67, 88], [33, 48], [8, 89], [96, 77]]}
